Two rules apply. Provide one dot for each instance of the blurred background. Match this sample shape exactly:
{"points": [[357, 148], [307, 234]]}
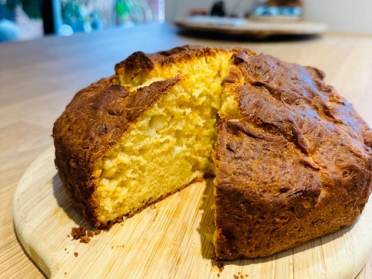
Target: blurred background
{"points": [[339, 15], [27, 19]]}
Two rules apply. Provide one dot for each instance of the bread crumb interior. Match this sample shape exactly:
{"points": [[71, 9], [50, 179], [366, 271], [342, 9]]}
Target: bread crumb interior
{"points": [[170, 145]]}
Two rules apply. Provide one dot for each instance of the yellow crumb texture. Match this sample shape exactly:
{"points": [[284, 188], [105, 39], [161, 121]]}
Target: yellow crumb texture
{"points": [[170, 145]]}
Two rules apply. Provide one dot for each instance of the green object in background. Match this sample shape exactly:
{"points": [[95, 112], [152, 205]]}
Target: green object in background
{"points": [[122, 11], [132, 11], [31, 7]]}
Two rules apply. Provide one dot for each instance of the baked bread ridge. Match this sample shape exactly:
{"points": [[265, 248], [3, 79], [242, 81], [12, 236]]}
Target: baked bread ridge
{"points": [[296, 166], [139, 64], [93, 122]]}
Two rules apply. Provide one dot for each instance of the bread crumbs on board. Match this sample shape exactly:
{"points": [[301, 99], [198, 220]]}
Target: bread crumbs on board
{"points": [[82, 234]]}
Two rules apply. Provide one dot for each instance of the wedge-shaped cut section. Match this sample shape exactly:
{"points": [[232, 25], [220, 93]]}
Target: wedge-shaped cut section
{"points": [[157, 123]]}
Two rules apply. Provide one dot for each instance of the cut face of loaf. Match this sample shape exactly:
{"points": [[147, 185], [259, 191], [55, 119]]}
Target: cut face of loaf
{"points": [[285, 148], [149, 131], [170, 144]]}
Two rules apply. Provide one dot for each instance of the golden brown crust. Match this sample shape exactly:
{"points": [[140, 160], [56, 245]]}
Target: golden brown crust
{"points": [[295, 167], [93, 122]]}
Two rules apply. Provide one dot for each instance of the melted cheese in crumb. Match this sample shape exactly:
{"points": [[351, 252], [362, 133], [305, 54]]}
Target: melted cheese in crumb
{"points": [[170, 144]]}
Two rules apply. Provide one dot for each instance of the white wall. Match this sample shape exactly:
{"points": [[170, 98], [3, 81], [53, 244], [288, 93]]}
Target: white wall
{"points": [[340, 15]]}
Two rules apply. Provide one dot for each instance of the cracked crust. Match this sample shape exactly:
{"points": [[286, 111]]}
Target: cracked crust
{"points": [[298, 164]]}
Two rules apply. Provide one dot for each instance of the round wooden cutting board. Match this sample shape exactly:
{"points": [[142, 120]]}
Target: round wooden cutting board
{"points": [[256, 28], [168, 240]]}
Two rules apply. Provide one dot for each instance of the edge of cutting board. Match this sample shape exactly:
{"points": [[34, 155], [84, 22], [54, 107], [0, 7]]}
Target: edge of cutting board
{"points": [[22, 230]]}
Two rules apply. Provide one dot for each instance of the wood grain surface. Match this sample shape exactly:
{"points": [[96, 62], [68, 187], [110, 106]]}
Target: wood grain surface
{"points": [[171, 239], [38, 78]]}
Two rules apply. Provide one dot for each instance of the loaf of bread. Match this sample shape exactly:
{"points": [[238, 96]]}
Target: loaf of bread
{"points": [[292, 159]]}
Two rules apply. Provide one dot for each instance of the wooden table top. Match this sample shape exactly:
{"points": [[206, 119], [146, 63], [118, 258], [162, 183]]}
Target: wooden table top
{"points": [[38, 78]]}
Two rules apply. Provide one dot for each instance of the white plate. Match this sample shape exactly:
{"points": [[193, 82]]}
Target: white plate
{"points": [[240, 26]]}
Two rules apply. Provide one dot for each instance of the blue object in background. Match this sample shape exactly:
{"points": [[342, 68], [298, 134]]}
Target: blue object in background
{"points": [[96, 21], [76, 15], [9, 31], [277, 11]]}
